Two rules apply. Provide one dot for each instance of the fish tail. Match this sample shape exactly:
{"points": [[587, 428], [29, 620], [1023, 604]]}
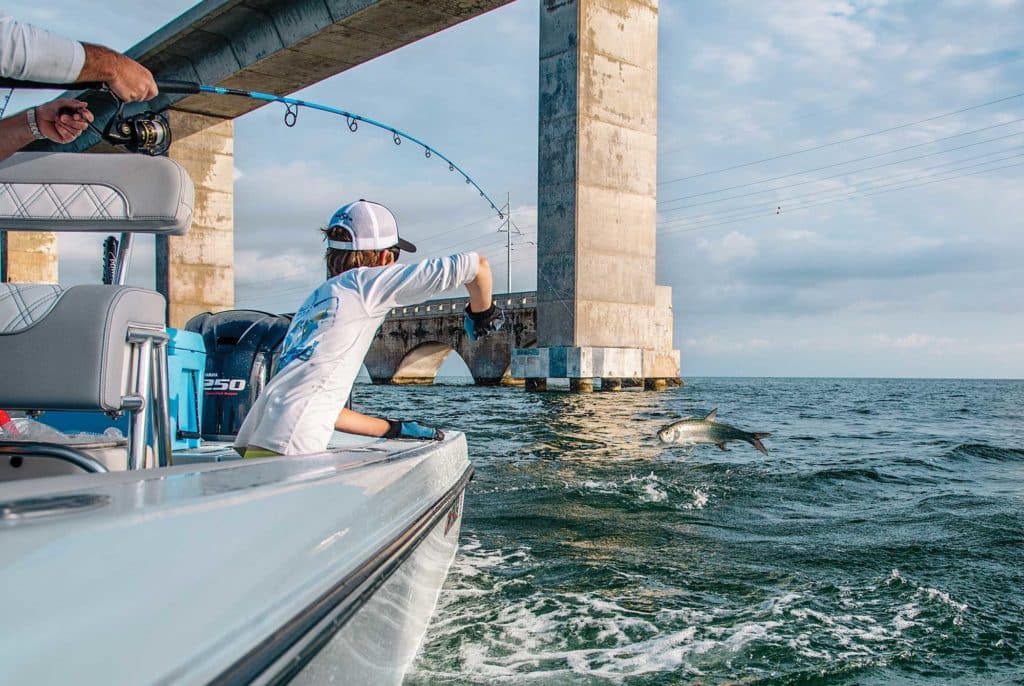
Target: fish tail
{"points": [[755, 441]]}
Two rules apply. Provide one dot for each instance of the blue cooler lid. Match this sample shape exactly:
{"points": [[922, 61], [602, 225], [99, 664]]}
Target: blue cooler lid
{"points": [[185, 341]]}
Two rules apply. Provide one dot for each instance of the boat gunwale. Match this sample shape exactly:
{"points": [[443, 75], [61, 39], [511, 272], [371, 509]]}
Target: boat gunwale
{"points": [[327, 461]]}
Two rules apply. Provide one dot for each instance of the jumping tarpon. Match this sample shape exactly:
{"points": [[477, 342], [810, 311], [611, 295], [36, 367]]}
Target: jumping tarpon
{"points": [[690, 431]]}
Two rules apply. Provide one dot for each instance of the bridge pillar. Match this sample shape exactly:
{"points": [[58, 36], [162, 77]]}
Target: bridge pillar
{"points": [[599, 312], [195, 272], [28, 256]]}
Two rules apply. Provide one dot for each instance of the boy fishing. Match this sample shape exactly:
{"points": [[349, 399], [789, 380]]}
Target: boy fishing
{"points": [[332, 330]]}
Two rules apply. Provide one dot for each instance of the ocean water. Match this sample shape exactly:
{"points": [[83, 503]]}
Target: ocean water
{"points": [[881, 543]]}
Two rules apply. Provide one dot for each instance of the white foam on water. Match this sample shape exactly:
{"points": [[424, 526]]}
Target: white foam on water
{"points": [[777, 606], [933, 595], [651, 488], [943, 597], [544, 636], [596, 486], [904, 619], [535, 640], [700, 500], [472, 560]]}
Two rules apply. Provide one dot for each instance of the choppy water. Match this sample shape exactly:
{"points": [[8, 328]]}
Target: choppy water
{"points": [[882, 542]]}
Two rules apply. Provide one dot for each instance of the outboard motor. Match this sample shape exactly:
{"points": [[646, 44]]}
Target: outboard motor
{"points": [[242, 349]]}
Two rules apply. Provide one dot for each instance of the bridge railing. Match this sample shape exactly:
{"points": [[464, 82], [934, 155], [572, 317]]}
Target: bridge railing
{"points": [[438, 308]]}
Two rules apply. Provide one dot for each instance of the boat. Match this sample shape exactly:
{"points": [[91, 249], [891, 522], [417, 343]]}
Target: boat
{"points": [[160, 558]]}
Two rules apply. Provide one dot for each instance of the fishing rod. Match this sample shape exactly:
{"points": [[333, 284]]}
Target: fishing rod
{"points": [[149, 132]]}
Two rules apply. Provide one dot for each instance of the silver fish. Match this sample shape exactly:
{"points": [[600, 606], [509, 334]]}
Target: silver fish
{"points": [[690, 431]]}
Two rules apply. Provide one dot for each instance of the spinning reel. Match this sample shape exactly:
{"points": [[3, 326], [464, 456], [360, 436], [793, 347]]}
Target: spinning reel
{"points": [[148, 132]]}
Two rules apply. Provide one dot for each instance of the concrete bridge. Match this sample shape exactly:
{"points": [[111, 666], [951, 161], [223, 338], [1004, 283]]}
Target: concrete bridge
{"points": [[599, 312], [413, 342]]}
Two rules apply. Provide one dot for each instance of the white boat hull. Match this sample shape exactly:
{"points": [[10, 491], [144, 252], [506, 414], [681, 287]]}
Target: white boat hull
{"points": [[322, 569]]}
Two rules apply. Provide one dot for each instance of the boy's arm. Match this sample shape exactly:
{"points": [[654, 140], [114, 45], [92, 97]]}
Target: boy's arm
{"points": [[400, 284], [352, 422], [481, 295]]}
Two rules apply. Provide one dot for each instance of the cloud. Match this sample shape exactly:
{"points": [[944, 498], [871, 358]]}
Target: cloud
{"points": [[737, 66], [733, 246]]}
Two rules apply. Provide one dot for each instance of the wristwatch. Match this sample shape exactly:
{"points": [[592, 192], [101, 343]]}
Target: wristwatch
{"points": [[33, 126]]}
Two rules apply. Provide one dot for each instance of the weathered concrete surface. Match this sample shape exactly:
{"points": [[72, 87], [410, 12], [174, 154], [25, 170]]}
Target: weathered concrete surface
{"points": [[195, 272], [28, 256], [597, 174], [280, 46], [413, 341]]}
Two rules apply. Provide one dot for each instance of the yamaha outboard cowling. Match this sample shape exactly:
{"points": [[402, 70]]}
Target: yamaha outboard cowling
{"points": [[242, 348]]}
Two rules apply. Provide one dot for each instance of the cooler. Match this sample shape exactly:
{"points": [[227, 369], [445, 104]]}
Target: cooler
{"points": [[186, 360]]}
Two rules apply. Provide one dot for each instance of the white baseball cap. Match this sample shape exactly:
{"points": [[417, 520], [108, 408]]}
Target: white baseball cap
{"points": [[372, 226]]}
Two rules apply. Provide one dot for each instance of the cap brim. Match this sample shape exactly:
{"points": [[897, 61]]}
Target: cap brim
{"points": [[406, 245]]}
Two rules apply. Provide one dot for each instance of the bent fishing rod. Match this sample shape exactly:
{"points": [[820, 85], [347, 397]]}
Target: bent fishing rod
{"points": [[149, 132]]}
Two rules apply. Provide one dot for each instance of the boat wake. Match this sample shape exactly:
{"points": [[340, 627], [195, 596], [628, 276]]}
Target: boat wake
{"points": [[641, 631]]}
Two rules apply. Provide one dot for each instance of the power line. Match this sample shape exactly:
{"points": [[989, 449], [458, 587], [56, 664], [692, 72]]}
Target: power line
{"points": [[457, 228], [470, 241], [853, 196], [845, 162], [841, 174], [871, 185], [777, 202], [844, 140]]}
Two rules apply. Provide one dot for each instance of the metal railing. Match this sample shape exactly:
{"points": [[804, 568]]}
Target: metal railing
{"points": [[455, 306]]}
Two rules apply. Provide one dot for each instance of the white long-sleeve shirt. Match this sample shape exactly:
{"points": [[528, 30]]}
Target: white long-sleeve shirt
{"points": [[30, 53], [325, 346]]}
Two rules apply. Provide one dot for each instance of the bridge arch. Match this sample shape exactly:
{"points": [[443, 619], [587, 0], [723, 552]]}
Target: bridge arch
{"points": [[420, 365], [413, 342]]}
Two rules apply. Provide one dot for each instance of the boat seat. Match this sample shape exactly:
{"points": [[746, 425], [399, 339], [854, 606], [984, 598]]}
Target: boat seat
{"points": [[43, 191], [87, 348], [100, 347], [76, 354]]}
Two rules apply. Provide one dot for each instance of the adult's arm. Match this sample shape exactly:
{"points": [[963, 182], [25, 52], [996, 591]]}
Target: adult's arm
{"points": [[30, 53], [126, 78], [62, 121]]}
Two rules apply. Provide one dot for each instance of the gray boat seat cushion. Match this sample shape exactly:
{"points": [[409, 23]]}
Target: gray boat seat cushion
{"points": [[76, 356], [21, 305], [62, 191]]}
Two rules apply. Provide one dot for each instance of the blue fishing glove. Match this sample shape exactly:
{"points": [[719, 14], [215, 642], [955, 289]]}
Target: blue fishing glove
{"points": [[401, 429], [480, 324]]}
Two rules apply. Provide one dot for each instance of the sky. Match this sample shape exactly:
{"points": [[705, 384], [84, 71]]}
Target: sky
{"points": [[839, 182]]}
